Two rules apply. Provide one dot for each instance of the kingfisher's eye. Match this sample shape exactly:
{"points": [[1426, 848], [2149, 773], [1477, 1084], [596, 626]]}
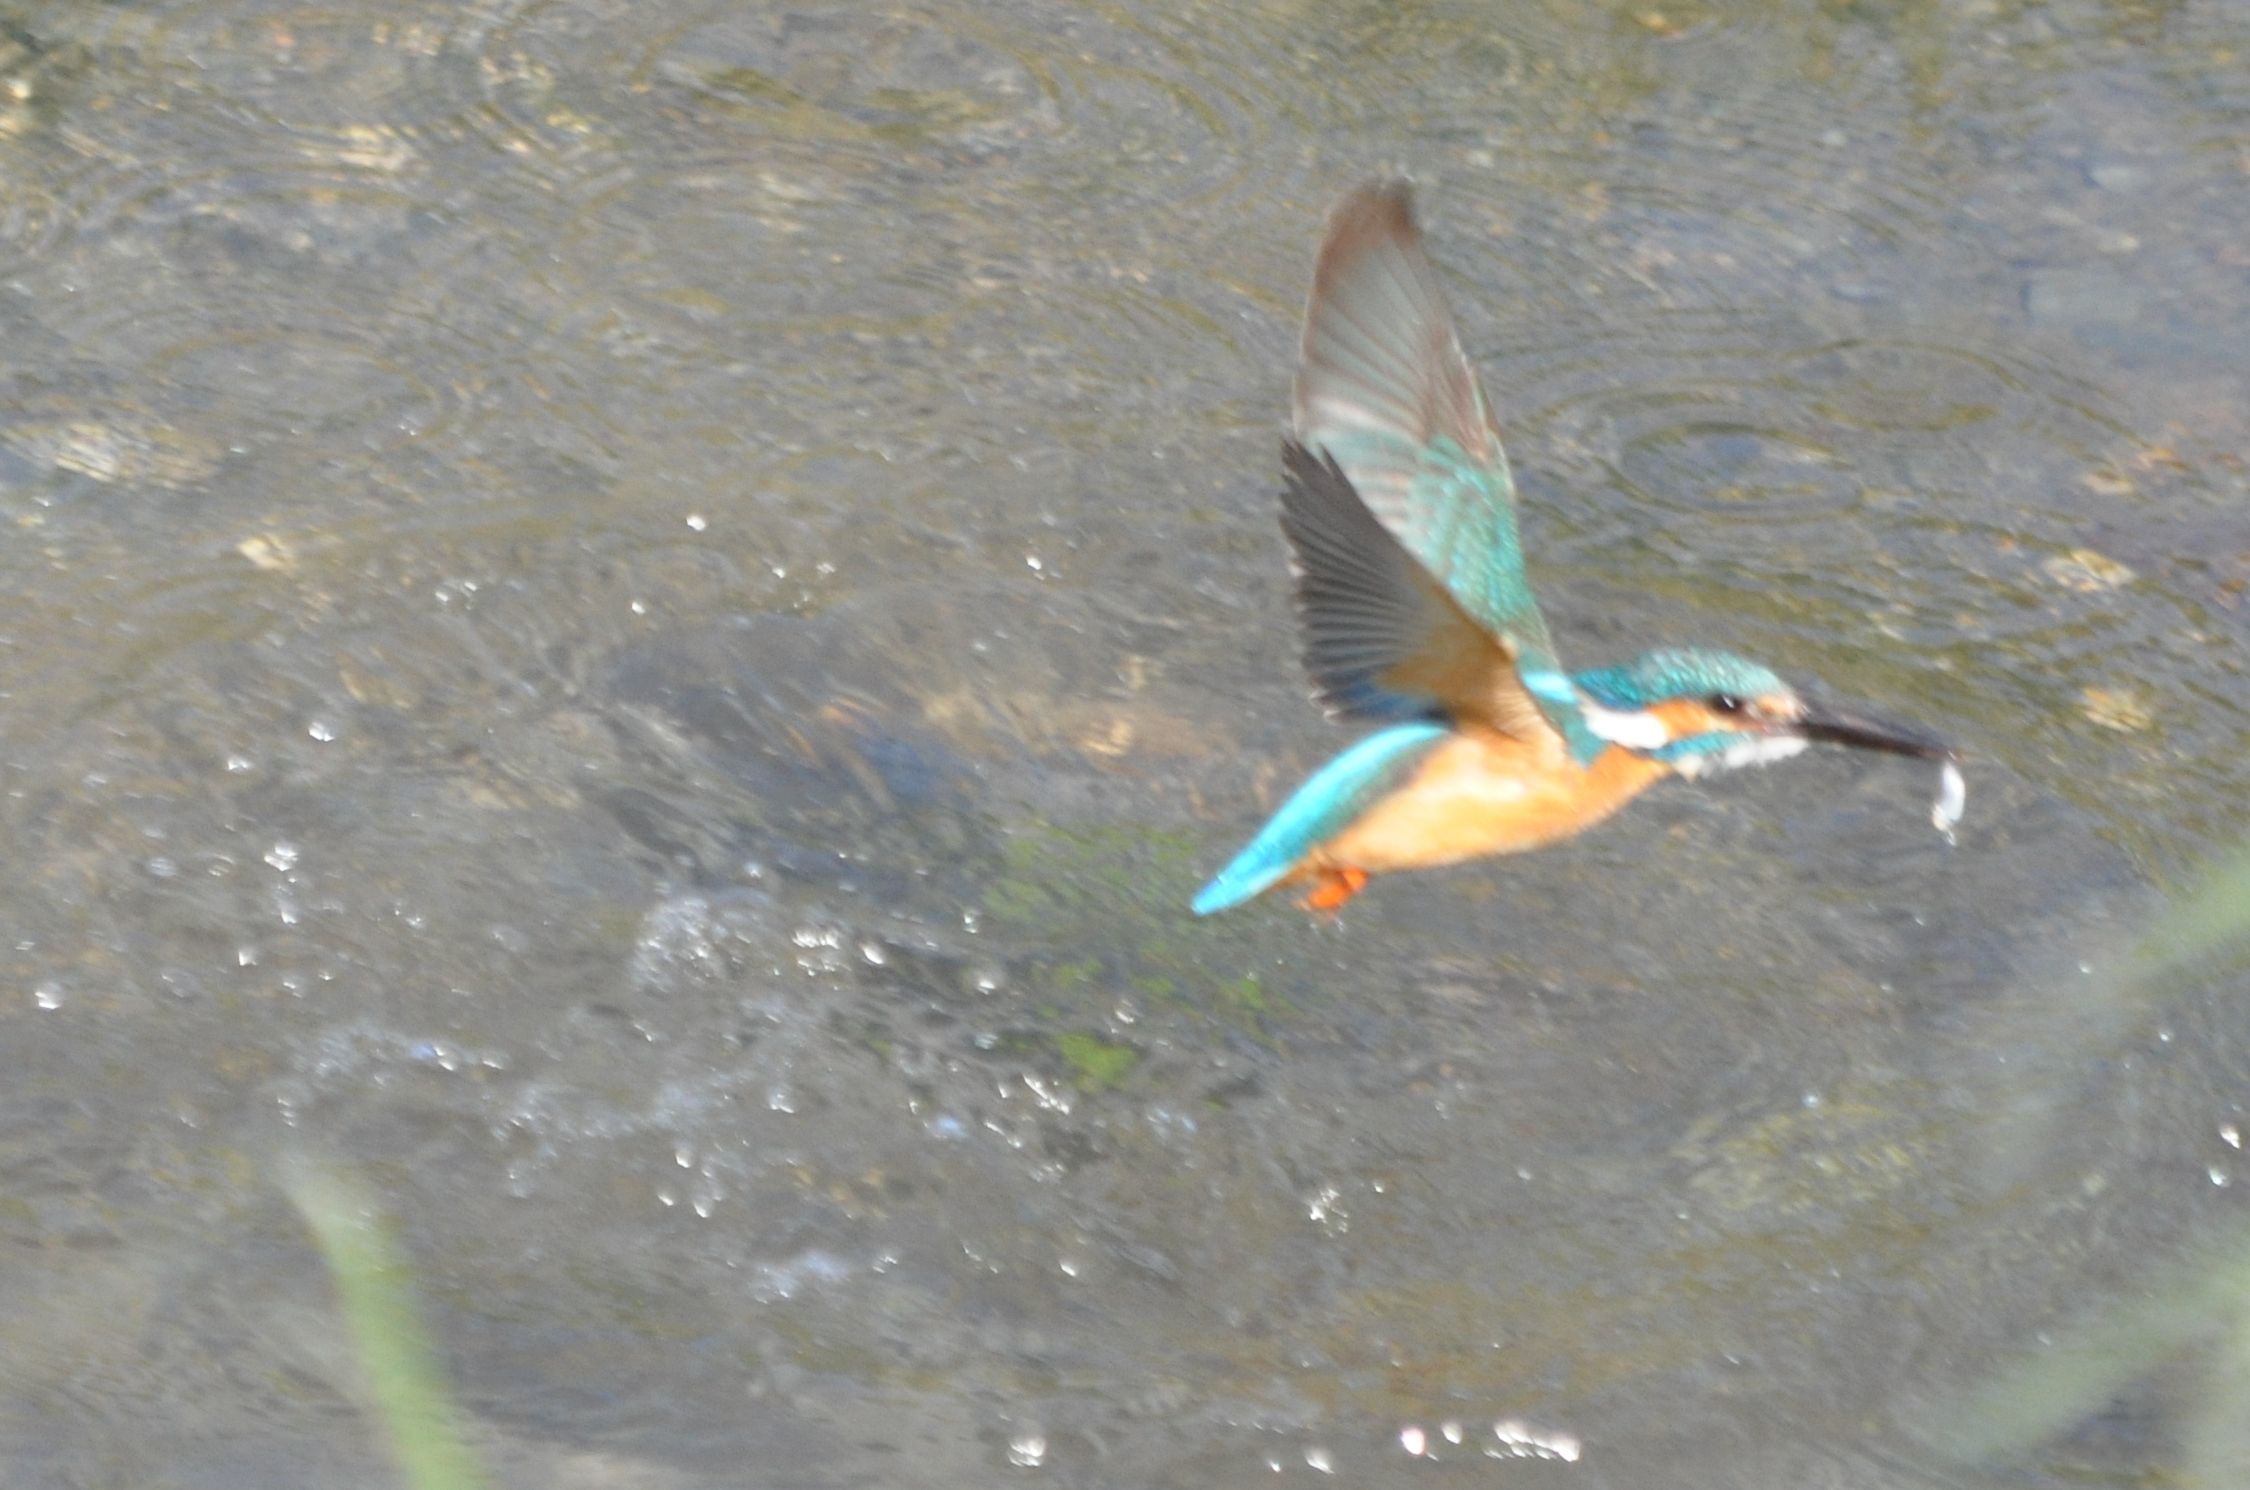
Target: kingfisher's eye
{"points": [[1725, 703]]}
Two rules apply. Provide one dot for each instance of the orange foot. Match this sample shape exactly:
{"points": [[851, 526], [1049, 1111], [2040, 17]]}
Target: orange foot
{"points": [[1332, 887]]}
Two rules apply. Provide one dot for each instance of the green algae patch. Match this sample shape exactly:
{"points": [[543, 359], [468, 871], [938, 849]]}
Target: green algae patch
{"points": [[1108, 903], [1244, 992], [1096, 1065], [1055, 880], [1851, 1154]]}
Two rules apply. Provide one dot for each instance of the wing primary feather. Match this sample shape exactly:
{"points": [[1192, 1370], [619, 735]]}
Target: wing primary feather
{"points": [[1362, 601], [1379, 348], [1383, 639], [1385, 393]]}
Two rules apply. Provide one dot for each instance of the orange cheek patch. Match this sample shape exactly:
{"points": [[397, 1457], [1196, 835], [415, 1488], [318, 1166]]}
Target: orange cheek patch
{"points": [[1683, 717]]}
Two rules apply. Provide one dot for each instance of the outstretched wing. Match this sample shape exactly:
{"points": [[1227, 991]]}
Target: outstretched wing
{"points": [[1383, 639], [1384, 390]]}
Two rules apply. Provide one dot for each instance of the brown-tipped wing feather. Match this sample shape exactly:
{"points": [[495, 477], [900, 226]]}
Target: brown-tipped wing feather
{"points": [[1383, 640], [1419, 594], [1379, 353]]}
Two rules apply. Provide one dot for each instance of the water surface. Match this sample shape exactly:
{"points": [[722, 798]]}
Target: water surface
{"points": [[637, 620]]}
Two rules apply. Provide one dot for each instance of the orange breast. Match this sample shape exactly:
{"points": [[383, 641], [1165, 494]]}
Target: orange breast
{"points": [[1484, 793]]}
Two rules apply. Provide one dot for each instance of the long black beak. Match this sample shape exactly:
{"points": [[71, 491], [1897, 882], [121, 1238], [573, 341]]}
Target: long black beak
{"points": [[1842, 727]]}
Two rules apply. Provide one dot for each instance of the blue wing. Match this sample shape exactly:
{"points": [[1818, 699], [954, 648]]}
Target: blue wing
{"points": [[1384, 390], [1320, 809], [1383, 639]]}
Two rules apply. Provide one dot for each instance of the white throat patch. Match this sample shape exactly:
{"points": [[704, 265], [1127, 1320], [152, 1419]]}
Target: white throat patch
{"points": [[1635, 729], [1756, 750]]}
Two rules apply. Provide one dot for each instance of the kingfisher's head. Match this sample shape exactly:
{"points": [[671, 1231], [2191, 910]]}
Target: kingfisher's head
{"points": [[1699, 710]]}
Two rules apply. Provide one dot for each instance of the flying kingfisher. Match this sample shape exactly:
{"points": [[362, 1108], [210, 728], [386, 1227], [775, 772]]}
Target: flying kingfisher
{"points": [[1417, 616]]}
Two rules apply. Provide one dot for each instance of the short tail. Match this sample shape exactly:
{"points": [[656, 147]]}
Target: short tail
{"points": [[1257, 869], [1320, 809]]}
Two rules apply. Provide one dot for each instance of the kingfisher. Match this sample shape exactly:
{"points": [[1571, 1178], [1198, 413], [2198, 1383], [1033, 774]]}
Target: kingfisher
{"points": [[1417, 617]]}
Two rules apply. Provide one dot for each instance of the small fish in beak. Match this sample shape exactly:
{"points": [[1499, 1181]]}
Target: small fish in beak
{"points": [[1859, 731], [1952, 797]]}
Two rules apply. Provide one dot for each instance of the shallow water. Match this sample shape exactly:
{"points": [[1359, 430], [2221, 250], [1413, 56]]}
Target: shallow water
{"points": [[637, 621]]}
